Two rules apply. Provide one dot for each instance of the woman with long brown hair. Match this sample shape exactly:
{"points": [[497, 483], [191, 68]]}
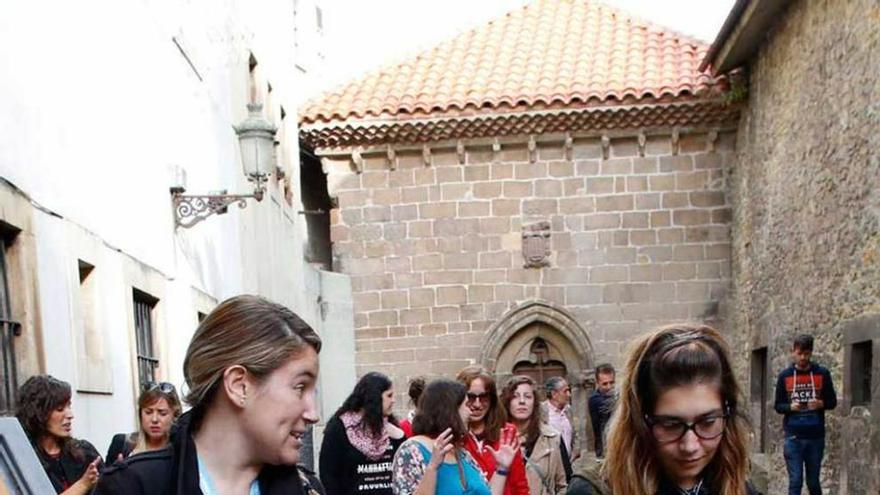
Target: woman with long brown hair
{"points": [[488, 427], [434, 461], [678, 427], [542, 445]]}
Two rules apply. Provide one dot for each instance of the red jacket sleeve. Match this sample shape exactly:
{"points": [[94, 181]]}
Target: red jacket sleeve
{"points": [[517, 483], [406, 426]]}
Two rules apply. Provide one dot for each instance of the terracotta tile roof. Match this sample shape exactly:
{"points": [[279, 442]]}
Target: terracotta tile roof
{"points": [[551, 54]]}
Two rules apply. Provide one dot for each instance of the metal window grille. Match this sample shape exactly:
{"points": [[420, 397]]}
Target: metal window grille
{"points": [[8, 330], [143, 327]]}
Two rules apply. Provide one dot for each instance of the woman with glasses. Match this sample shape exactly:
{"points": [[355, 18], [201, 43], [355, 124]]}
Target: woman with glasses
{"points": [[542, 445], [360, 440], [678, 428], [251, 370], [434, 461], [45, 413], [488, 427], [158, 409]]}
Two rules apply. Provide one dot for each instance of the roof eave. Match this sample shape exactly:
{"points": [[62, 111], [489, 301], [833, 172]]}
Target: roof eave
{"points": [[741, 35], [683, 112]]}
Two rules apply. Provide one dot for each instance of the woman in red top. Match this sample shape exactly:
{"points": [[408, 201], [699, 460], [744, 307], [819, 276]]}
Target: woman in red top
{"points": [[416, 387], [487, 426]]}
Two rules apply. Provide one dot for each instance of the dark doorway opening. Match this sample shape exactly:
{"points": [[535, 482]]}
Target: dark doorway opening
{"points": [[317, 205]]}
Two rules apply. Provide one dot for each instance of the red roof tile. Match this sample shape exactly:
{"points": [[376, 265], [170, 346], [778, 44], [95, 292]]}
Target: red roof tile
{"points": [[551, 54]]}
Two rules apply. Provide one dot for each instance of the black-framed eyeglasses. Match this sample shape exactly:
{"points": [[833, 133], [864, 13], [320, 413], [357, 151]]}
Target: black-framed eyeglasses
{"points": [[667, 429], [164, 387], [472, 397]]}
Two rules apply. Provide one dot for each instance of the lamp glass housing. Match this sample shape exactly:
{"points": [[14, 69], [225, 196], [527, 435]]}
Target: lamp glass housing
{"points": [[256, 137]]}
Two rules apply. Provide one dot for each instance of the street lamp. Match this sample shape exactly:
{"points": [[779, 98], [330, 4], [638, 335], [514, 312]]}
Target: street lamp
{"points": [[256, 138]]}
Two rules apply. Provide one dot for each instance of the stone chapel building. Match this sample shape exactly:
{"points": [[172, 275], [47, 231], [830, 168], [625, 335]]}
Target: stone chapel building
{"points": [[529, 195]]}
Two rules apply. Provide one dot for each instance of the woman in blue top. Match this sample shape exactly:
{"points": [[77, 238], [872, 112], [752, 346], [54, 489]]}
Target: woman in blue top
{"points": [[434, 461]]}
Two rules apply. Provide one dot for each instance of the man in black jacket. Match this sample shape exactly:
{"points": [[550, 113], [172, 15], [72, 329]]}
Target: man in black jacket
{"points": [[601, 405], [804, 392]]}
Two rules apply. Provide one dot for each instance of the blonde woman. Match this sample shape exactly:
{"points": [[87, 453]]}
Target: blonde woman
{"points": [[541, 444], [678, 428], [158, 409], [251, 370]]}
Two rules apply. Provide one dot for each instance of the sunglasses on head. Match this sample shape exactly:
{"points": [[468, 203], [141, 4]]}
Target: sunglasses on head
{"points": [[164, 387]]}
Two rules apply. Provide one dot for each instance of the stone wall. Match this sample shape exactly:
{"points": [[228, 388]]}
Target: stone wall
{"points": [[806, 226], [432, 238]]}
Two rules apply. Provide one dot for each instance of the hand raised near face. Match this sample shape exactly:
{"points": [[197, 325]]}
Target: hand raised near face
{"points": [[442, 445], [507, 448]]}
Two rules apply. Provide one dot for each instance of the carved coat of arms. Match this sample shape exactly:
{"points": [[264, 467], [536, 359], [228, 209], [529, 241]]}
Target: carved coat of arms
{"points": [[536, 245]]}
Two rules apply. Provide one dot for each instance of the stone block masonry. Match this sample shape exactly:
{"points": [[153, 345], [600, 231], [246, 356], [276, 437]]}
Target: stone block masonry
{"points": [[638, 237], [806, 224]]}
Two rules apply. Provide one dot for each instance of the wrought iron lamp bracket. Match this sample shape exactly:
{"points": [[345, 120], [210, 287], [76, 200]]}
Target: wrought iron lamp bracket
{"points": [[190, 209]]}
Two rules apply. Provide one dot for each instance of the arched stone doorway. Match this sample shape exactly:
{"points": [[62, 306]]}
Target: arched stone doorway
{"points": [[541, 340]]}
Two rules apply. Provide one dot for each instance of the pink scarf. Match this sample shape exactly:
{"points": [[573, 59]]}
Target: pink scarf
{"points": [[372, 447]]}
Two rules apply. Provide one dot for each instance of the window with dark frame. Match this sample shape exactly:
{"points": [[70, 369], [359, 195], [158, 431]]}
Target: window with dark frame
{"points": [[758, 393], [861, 361], [144, 304], [8, 330]]}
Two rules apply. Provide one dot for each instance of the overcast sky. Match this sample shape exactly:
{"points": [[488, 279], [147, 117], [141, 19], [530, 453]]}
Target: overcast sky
{"points": [[361, 35]]}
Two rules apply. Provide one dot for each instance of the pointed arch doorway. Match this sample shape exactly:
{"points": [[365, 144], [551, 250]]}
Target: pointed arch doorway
{"points": [[542, 340]]}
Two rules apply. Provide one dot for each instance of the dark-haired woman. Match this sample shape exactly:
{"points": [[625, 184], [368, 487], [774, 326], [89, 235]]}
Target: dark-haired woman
{"points": [[541, 443], [158, 409], [44, 411], [487, 425], [678, 428], [251, 370], [434, 461], [416, 387], [360, 440]]}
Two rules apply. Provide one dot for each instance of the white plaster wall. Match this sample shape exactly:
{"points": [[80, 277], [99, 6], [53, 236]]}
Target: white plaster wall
{"points": [[338, 362], [96, 101]]}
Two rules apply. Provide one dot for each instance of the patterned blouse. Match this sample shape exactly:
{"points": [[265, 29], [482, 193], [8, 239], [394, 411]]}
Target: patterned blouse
{"points": [[412, 459]]}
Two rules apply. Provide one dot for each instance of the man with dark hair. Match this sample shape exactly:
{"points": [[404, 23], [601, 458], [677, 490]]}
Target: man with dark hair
{"points": [[804, 392], [601, 404]]}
